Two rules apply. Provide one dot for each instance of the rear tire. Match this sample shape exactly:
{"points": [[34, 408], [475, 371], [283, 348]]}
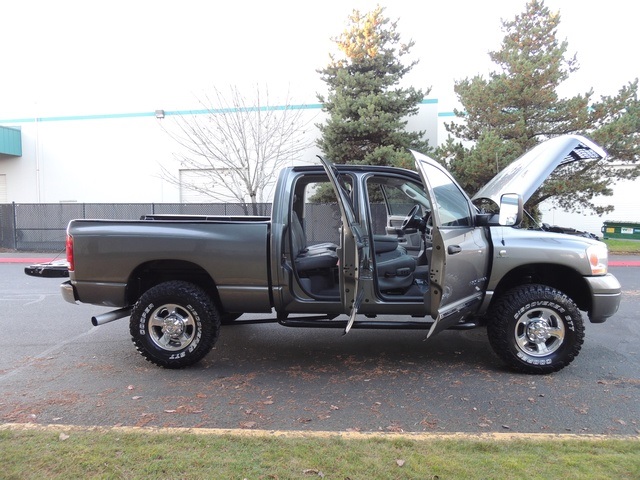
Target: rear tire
{"points": [[535, 329], [174, 324]]}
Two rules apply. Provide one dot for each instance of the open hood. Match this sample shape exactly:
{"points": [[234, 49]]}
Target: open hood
{"points": [[525, 175]]}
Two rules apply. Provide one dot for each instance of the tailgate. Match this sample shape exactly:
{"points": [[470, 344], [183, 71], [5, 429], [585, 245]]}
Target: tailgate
{"points": [[57, 269]]}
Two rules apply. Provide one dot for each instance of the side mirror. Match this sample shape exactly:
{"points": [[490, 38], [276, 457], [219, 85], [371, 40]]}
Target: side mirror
{"points": [[510, 209]]}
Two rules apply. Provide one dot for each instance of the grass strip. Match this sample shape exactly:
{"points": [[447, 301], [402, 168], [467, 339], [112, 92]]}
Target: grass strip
{"points": [[104, 454], [623, 247]]}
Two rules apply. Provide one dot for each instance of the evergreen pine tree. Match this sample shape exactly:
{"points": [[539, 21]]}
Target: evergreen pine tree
{"points": [[518, 106], [367, 108]]}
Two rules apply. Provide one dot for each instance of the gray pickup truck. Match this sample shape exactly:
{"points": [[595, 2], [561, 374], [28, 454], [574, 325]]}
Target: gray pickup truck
{"points": [[396, 249]]}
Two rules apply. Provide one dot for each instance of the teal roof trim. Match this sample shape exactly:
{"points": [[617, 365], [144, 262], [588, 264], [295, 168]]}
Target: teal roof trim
{"points": [[10, 141], [168, 113]]}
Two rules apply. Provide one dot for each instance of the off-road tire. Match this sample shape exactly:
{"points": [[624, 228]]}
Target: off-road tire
{"points": [[535, 329], [174, 324]]}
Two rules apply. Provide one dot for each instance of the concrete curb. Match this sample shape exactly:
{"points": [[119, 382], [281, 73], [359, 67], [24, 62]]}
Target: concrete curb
{"points": [[418, 436], [25, 260]]}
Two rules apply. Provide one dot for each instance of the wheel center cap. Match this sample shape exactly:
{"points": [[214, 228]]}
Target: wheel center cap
{"points": [[173, 325], [538, 331]]}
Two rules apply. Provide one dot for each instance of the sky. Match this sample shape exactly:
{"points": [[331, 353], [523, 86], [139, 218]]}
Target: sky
{"points": [[65, 57]]}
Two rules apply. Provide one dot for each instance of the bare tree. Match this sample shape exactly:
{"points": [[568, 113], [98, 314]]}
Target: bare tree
{"points": [[234, 147]]}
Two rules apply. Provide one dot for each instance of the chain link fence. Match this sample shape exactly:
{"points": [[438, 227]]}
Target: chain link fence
{"points": [[42, 227]]}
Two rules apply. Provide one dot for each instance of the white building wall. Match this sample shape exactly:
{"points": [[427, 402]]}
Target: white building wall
{"points": [[625, 201], [90, 160], [118, 158]]}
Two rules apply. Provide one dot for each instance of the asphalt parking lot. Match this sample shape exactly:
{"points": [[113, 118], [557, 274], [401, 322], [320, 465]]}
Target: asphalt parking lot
{"points": [[57, 368]]}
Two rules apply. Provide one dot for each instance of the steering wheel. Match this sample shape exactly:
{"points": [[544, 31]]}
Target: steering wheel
{"points": [[410, 217]]}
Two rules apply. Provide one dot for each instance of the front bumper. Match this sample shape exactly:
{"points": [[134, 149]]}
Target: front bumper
{"points": [[606, 293]]}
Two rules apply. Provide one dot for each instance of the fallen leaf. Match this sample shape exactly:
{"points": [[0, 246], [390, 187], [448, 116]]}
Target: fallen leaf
{"points": [[248, 424], [268, 402], [394, 428], [63, 437], [313, 471], [137, 397]]}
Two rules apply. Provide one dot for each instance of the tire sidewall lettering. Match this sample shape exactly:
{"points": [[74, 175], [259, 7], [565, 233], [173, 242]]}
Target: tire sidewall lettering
{"points": [[143, 319], [196, 317], [533, 361], [562, 312]]}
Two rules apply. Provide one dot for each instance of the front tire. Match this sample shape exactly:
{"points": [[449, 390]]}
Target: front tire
{"points": [[535, 329], [174, 324]]}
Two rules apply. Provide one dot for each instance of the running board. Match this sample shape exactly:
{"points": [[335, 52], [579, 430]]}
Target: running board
{"points": [[313, 319], [327, 321], [308, 322]]}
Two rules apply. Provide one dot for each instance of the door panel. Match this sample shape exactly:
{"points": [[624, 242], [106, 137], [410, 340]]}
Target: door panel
{"points": [[354, 252], [459, 260]]}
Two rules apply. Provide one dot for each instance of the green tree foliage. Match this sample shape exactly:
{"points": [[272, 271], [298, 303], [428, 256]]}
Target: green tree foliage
{"points": [[367, 108], [518, 106]]}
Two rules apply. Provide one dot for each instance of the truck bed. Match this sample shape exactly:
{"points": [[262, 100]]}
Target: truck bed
{"points": [[112, 255]]}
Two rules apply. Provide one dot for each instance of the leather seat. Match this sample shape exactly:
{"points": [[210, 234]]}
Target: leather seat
{"points": [[298, 231], [394, 266], [313, 257]]}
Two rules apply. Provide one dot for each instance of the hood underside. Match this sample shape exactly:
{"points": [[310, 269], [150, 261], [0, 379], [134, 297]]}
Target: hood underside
{"points": [[526, 174]]}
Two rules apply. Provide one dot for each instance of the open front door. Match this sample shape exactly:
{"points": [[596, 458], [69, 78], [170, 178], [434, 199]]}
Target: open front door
{"points": [[354, 252], [458, 264]]}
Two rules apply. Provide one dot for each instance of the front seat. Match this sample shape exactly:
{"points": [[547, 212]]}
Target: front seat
{"points": [[394, 266]]}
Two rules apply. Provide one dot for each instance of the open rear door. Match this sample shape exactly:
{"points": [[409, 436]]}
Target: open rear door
{"points": [[354, 255]]}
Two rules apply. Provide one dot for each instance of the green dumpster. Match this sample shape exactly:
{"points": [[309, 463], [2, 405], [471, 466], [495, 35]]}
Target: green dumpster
{"points": [[626, 230]]}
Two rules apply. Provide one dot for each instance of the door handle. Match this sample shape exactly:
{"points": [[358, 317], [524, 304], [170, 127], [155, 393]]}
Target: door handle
{"points": [[453, 249]]}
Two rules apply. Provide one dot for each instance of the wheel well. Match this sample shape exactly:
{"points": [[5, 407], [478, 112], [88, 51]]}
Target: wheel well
{"points": [[562, 278], [153, 273]]}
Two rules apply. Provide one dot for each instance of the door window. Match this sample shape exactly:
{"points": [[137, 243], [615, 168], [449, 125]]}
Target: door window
{"points": [[453, 206]]}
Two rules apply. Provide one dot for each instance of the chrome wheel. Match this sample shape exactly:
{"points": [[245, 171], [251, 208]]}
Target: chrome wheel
{"points": [[539, 332], [171, 327]]}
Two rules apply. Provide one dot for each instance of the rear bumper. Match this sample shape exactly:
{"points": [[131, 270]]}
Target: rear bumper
{"points": [[68, 292], [606, 293]]}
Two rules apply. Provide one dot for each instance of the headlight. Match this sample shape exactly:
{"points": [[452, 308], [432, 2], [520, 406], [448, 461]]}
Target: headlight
{"points": [[598, 256]]}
